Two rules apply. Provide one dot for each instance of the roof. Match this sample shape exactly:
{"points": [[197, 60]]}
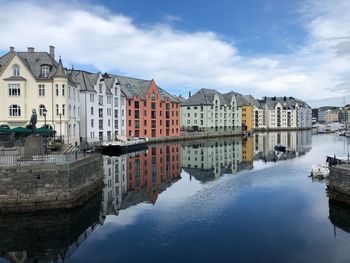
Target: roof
{"points": [[204, 97], [34, 62], [252, 100], [132, 87], [83, 78]]}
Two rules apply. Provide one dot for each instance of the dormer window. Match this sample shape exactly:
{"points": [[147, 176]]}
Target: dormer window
{"points": [[15, 70], [45, 70], [153, 96]]}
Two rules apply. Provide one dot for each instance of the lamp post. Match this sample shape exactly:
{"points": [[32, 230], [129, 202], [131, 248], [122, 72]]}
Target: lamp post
{"points": [[60, 115], [45, 140]]}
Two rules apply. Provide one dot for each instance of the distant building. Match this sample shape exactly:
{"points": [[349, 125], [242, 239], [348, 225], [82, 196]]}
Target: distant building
{"points": [[332, 115], [209, 110]]}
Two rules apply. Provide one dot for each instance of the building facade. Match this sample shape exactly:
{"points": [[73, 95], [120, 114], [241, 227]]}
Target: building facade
{"points": [[150, 111], [35, 80], [210, 111]]}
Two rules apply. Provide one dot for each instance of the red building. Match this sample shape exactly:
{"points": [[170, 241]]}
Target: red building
{"points": [[153, 171], [150, 111]]}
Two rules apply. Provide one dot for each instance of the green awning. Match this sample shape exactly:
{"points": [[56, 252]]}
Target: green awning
{"points": [[5, 130], [21, 130]]}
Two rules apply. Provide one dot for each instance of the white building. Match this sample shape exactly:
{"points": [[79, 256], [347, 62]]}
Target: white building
{"points": [[103, 106], [34, 80], [209, 110]]}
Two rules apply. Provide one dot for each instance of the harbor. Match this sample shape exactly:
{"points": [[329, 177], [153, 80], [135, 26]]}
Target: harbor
{"points": [[178, 192]]}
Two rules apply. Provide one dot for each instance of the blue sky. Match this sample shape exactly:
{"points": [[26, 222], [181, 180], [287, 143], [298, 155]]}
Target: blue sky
{"points": [[255, 26], [259, 47]]}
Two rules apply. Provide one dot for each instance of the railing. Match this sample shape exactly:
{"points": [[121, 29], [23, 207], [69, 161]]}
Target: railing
{"points": [[19, 160]]}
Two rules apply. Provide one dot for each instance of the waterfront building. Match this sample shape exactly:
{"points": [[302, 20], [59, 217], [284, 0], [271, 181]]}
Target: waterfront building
{"points": [[35, 80], [247, 111], [304, 114], [150, 110], [211, 159], [258, 112], [103, 106], [209, 110]]}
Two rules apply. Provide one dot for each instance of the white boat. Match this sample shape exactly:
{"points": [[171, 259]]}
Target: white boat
{"points": [[319, 171]]}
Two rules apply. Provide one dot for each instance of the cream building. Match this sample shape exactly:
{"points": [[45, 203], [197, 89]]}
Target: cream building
{"points": [[34, 80], [209, 110]]}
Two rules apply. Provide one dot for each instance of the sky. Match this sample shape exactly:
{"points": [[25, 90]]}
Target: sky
{"points": [[258, 47]]}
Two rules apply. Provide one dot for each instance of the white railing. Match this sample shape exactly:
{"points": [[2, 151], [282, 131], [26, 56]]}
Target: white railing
{"points": [[19, 160]]}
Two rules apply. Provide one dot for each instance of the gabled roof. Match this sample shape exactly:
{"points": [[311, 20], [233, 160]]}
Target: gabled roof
{"points": [[252, 100], [204, 97], [241, 101], [82, 77]]}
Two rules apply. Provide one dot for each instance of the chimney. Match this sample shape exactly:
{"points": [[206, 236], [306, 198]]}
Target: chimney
{"points": [[52, 51], [189, 94], [30, 50], [12, 49]]}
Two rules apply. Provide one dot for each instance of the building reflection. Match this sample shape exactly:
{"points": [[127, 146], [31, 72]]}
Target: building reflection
{"points": [[297, 143], [207, 160], [48, 235], [139, 177]]}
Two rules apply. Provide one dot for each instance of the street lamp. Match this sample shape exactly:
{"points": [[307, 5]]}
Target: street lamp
{"points": [[60, 115], [45, 140]]}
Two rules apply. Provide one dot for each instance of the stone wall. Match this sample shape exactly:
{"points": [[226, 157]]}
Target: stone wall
{"points": [[40, 187], [339, 183]]}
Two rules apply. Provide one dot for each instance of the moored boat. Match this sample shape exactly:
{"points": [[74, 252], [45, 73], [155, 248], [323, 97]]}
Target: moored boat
{"points": [[122, 147], [280, 147], [319, 171]]}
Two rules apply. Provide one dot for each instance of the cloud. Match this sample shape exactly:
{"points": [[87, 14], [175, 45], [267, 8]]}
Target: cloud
{"points": [[89, 34]]}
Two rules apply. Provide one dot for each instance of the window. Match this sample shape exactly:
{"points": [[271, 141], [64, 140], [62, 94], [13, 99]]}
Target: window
{"points": [[109, 112], [100, 124], [41, 90], [45, 70], [92, 98], [15, 111], [92, 123], [63, 90], [100, 100], [41, 110], [57, 90], [136, 104], [109, 123], [100, 113], [92, 110], [136, 113], [63, 109], [57, 110], [14, 90], [153, 96], [109, 100], [137, 124], [15, 70], [100, 88]]}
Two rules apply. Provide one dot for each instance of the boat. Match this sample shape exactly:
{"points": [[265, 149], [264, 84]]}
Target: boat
{"points": [[319, 171], [116, 148], [280, 147]]}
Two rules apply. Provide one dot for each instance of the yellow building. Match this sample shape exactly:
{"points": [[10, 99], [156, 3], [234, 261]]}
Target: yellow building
{"points": [[332, 116], [247, 117]]}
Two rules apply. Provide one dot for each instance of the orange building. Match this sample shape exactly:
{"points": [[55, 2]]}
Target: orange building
{"points": [[153, 171], [150, 110]]}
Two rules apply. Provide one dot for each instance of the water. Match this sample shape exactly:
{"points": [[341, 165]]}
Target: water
{"points": [[221, 200]]}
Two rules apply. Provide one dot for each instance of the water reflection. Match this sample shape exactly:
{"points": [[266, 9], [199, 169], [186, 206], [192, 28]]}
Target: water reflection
{"points": [[138, 178], [47, 236], [297, 143], [339, 215]]}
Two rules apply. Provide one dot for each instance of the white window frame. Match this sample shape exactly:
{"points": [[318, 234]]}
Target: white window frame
{"points": [[14, 89]]}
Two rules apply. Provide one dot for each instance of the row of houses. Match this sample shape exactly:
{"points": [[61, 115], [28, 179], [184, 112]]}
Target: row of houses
{"points": [[86, 106], [210, 110]]}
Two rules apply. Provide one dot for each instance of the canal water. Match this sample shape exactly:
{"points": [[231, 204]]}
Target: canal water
{"points": [[221, 200]]}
